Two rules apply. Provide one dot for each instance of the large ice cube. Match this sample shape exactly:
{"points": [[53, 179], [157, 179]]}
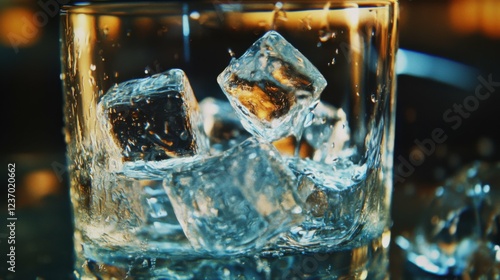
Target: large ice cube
{"points": [[237, 201], [221, 124], [459, 233], [334, 198], [272, 87], [155, 118]]}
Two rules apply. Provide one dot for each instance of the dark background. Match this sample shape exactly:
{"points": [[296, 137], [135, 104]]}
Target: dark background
{"points": [[465, 31]]}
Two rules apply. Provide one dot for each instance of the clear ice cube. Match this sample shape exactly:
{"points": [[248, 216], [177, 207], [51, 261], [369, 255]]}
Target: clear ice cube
{"points": [[459, 233], [154, 118], [328, 133], [272, 87], [222, 125], [334, 198], [235, 202], [129, 211]]}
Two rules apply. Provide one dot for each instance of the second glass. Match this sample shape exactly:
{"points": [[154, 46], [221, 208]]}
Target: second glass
{"points": [[292, 180]]}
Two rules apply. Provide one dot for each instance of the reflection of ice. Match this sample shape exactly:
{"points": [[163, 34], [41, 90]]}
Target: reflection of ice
{"points": [[460, 232], [328, 133], [221, 124], [272, 87], [234, 202], [155, 118]]}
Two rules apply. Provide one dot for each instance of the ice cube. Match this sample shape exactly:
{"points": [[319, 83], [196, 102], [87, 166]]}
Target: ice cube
{"points": [[459, 233], [235, 202], [334, 197], [272, 87], [328, 133], [155, 118], [221, 124]]}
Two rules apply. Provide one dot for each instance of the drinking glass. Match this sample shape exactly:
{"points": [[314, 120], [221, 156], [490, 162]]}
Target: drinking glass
{"points": [[143, 209]]}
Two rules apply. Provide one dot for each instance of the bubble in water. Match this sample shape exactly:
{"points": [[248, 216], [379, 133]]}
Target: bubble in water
{"points": [[129, 33], [231, 53], [373, 97], [92, 67], [195, 15]]}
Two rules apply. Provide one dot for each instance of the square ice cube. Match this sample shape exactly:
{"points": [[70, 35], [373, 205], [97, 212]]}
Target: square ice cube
{"points": [[334, 198], [272, 87], [237, 201], [155, 118]]}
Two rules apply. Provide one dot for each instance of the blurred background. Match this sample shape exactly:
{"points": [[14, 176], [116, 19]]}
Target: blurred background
{"points": [[451, 47]]}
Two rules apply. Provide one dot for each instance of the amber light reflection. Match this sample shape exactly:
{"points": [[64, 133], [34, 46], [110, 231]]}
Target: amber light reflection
{"points": [[471, 16], [37, 185], [17, 28]]}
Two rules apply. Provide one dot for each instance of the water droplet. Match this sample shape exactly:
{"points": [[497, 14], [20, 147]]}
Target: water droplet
{"points": [[195, 15], [145, 263], [333, 145], [62, 76], [116, 74], [105, 30], [332, 62], [325, 34], [309, 119], [279, 14], [184, 135], [231, 53], [92, 67], [306, 22], [337, 51], [373, 98]]}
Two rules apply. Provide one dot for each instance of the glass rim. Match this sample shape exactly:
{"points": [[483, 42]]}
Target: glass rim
{"points": [[152, 7]]}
